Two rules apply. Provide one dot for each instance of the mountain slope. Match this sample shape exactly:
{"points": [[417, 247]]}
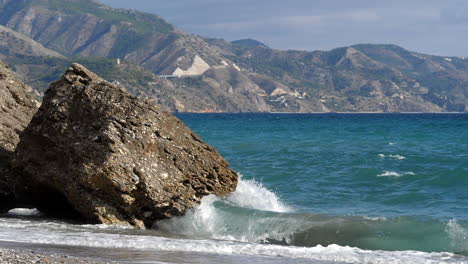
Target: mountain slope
{"points": [[89, 29], [371, 78], [84, 28], [210, 75], [249, 43], [15, 44]]}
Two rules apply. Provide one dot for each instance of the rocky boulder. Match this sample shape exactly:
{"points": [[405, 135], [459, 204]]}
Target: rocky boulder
{"points": [[17, 107], [7, 183], [96, 151]]}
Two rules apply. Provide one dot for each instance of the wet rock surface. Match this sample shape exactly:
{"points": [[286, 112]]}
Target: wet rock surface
{"points": [[17, 107], [98, 152]]}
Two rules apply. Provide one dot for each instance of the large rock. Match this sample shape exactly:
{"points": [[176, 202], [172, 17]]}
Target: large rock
{"points": [[95, 150], [17, 107], [7, 181]]}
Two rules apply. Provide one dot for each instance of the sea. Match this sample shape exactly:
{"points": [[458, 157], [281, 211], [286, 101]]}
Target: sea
{"points": [[314, 188]]}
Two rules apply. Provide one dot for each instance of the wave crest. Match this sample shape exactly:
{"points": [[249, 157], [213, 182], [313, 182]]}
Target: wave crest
{"points": [[253, 195], [396, 156], [246, 215], [254, 214], [395, 174]]}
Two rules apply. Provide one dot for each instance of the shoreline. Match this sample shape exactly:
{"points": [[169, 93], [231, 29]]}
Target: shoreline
{"points": [[15, 252], [8, 255], [324, 113]]}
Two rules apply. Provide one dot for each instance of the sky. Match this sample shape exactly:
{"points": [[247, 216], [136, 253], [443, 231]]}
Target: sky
{"points": [[438, 27]]}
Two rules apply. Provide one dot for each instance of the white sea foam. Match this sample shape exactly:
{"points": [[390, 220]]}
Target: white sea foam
{"points": [[211, 222], [395, 174], [398, 157], [24, 212], [458, 236], [381, 218], [251, 194], [106, 227], [43, 233]]}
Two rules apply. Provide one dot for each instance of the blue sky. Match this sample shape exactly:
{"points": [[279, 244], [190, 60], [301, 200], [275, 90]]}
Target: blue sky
{"points": [[437, 27]]}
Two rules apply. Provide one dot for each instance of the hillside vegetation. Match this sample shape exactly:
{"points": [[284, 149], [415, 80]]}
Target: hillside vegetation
{"points": [[221, 76]]}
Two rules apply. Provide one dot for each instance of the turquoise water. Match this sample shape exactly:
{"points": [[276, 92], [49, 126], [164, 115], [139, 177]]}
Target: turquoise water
{"points": [[373, 181], [315, 188]]}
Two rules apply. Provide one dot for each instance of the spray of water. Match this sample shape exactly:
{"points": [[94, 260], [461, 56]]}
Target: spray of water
{"points": [[458, 236], [250, 214]]}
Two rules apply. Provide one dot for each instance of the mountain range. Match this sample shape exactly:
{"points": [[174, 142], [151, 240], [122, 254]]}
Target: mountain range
{"points": [[188, 73]]}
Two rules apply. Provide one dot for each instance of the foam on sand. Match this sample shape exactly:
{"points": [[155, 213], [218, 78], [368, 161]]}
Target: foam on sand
{"points": [[42, 233], [24, 212]]}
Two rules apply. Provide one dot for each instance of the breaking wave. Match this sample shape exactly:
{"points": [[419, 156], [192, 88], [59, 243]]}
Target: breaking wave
{"points": [[253, 221], [254, 214]]}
